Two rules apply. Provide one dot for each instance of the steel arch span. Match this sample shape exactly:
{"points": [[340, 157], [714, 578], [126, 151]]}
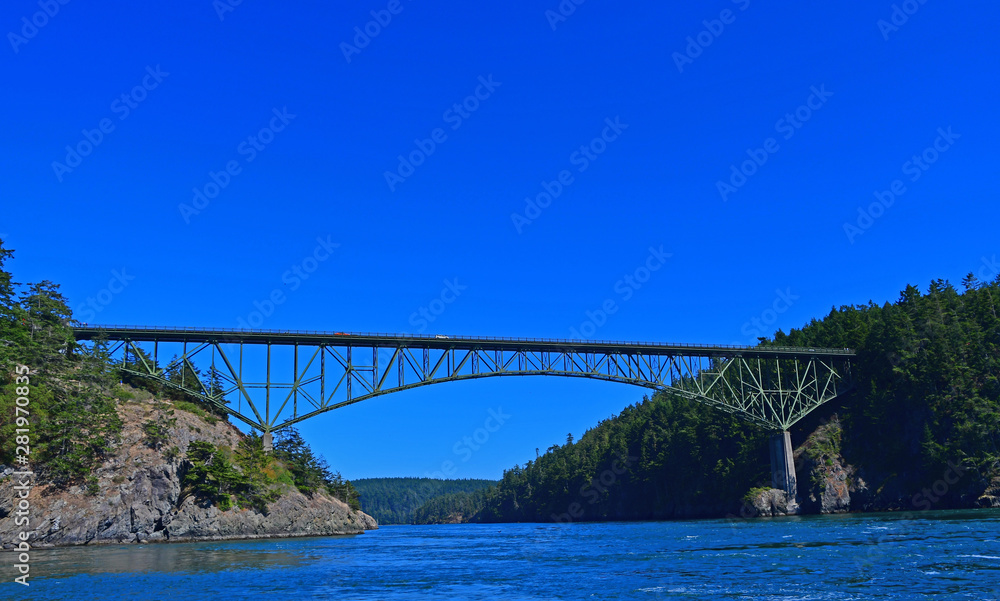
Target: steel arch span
{"points": [[317, 372]]}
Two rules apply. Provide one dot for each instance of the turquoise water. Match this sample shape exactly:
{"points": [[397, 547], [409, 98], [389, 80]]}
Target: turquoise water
{"points": [[943, 555]]}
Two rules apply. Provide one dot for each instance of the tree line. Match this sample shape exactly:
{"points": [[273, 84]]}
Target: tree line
{"points": [[926, 404], [396, 500]]}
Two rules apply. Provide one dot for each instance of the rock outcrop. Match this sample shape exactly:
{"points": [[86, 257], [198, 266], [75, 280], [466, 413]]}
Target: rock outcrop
{"points": [[769, 502], [824, 481], [139, 496], [991, 496]]}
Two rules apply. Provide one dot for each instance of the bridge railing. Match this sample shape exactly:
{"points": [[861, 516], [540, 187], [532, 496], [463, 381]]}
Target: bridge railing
{"points": [[439, 337]]}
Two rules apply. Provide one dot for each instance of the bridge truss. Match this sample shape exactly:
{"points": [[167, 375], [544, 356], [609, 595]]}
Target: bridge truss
{"points": [[273, 379]]}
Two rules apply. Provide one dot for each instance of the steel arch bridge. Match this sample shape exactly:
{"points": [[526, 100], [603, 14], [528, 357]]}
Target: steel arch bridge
{"points": [[235, 370]]}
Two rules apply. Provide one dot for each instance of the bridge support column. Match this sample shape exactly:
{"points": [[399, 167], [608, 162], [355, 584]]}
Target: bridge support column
{"points": [[268, 444], [782, 464]]}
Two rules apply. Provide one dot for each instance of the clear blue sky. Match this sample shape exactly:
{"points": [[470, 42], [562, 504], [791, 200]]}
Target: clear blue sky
{"points": [[837, 103]]}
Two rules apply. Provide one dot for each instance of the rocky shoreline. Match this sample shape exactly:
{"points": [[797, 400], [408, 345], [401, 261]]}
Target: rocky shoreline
{"points": [[139, 497], [828, 484]]}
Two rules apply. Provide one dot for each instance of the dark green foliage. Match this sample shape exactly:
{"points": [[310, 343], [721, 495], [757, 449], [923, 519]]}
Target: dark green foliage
{"points": [[156, 432], [214, 384], [9, 307], [394, 500], [141, 361], [183, 374], [210, 474], [257, 490], [73, 417], [340, 488], [75, 431], [927, 396], [661, 458], [216, 474], [309, 472], [450, 508], [172, 453], [305, 467], [46, 316], [928, 390], [73, 413]]}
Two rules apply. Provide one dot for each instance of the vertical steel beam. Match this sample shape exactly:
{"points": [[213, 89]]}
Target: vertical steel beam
{"points": [[781, 396], [267, 388], [815, 376], [743, 392], [349, 374], [295, 384]]}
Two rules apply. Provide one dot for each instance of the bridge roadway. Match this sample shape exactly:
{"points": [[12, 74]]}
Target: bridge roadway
{"points": [[317, 338]]}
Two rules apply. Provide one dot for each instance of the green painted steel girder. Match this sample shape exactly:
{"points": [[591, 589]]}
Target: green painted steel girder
{"points": [[771, 386]]}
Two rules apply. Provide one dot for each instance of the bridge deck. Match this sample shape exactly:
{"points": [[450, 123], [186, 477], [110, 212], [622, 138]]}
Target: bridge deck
{"points": [[305, 337]]}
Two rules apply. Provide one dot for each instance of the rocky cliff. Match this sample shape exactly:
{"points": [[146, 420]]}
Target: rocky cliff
{"points": [[826, 482], [138, 495]]}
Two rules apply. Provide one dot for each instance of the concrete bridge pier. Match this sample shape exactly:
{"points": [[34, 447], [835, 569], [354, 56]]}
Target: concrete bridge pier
{"points": [[269, 444], [783, 465]]}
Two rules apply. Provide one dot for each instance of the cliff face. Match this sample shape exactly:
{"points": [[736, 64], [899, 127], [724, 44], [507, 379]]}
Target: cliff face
{"points": [[140, 499], [824, 479], [991, 496], [826, 482]]}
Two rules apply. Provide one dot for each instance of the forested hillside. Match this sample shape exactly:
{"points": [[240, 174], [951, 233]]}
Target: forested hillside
{"points": [[394, 500], [928, 373], [64, 402], [451, 508], [662, 458], [925, 411]]}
